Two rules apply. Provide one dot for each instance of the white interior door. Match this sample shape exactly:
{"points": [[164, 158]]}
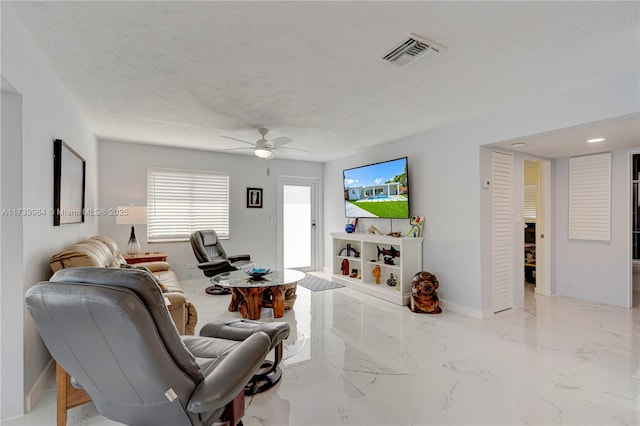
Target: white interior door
{"points": [[298, 208], [502, 230], [543, 220]]}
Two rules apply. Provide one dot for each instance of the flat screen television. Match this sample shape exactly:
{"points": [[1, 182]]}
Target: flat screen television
{"points": [[377, 190]]}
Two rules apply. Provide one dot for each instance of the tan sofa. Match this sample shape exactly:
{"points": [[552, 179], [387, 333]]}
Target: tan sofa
{"points": [[103, 252]]}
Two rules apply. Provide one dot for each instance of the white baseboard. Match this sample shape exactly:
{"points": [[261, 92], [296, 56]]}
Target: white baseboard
{"points": [[465, 310], [327, 270], [39, 386]]}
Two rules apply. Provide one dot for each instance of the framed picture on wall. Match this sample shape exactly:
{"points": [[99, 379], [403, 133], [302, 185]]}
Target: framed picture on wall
{"points": [[254, 198], [68, 184]]}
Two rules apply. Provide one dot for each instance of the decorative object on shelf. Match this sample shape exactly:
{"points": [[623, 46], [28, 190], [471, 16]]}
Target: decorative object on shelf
{"points": [[354, 273], [388, 254], [68, 184], [372, 230], [257, 273], [350, 227], [349, 251], [254, 198], [415, 226], [345, 267], [132, 215], [424, 295], [377, 272], [395, 234], [392, 281]]}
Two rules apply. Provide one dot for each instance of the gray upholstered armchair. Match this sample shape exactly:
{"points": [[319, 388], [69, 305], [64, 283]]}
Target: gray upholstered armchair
{"points": [[213, 260], [110, 330]]}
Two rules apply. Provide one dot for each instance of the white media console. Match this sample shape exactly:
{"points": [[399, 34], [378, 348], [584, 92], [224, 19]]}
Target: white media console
{"points": [[363, 253]]}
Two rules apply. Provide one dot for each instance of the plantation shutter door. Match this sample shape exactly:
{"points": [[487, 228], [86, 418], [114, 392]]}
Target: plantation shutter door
{"points": [[180, 202], [590, 197], [502, 230]]}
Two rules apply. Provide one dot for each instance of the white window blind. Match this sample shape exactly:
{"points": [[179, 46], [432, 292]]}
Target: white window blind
{"points": [[180, 202], [590, 197], [530, 194]]}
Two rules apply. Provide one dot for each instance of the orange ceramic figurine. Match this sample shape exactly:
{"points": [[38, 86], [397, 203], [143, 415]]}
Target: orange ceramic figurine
{"points": [[376, 273]]}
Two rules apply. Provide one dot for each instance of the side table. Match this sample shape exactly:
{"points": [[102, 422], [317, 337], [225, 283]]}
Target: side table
{"points": [[152, 256]]}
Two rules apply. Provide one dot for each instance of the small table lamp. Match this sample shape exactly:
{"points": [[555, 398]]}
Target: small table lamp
{"points": [[136, 216]]}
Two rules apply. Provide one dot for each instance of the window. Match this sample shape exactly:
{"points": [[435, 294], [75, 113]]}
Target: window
{"points": [[530, 194], [590, 197], [180, 202]]}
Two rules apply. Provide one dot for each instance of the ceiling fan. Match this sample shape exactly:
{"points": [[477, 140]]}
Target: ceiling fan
{"points": [[263, 147]]}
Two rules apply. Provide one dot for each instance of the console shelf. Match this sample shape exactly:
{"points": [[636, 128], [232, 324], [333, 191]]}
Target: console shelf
{"points": [[365, 252]]}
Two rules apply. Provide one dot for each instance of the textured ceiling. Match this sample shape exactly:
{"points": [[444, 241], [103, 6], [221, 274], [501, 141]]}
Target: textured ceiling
{"points": [[184, 73], [619, 133]]}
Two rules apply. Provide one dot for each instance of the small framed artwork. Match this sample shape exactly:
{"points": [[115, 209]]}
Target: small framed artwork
{"points": [[68, 184], [254, 198]]}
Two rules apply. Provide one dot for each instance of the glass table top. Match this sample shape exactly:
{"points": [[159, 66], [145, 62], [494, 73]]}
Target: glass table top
{"points": [[242, 279]]}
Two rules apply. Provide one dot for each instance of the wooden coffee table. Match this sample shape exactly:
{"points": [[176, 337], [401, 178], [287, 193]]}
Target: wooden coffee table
{"points": [[248, 295]]}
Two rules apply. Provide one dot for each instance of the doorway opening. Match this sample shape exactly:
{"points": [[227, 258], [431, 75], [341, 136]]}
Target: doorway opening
{"points": [[635, 229], [297, 226], [536, 212], [531, 206]]}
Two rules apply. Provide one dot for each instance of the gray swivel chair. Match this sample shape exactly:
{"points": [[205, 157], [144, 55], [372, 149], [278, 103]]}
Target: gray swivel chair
{"points": [[111, 331], [213, 259]]}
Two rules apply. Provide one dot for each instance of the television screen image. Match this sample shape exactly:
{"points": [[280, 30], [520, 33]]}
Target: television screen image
{"points": [[377, 190]]}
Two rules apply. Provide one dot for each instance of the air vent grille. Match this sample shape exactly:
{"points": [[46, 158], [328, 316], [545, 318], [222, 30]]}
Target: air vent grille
{"points": [[412, 53]]}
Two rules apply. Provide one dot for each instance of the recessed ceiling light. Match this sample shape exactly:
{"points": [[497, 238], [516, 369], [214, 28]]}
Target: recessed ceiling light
{"points": [[517, 145], [594, 140]]}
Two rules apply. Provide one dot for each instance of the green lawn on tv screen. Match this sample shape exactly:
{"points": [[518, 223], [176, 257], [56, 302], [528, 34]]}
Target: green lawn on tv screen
{"points": [[385, 208]]}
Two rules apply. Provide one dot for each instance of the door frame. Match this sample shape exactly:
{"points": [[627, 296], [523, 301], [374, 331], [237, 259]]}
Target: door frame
{"points": [[630, 226], [543, 226], [314, 184]]}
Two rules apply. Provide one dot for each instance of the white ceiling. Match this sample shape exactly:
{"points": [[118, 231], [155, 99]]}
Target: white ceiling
{"points": [[184, 73], [618, 133]]}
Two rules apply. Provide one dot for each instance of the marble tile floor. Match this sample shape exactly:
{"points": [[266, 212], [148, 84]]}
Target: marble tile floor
{"points": [[356, 360]]}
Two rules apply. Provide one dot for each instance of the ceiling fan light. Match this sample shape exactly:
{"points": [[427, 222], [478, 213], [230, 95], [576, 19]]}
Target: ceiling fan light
{"points": [[263, 152]]}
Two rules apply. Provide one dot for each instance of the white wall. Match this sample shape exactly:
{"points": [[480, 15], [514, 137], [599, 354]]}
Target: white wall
{"points": [[595, 270], [445, 179], [123, 181], [47, 113], [11, 268]]}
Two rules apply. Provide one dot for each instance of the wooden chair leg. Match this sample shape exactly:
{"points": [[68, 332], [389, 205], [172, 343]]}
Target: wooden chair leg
{"points": [[61, 396], [67, 396], [235, 410]]}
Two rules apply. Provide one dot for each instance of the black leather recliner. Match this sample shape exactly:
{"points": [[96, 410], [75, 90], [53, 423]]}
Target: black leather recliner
{"points": [[110, 330], [213, 259]]}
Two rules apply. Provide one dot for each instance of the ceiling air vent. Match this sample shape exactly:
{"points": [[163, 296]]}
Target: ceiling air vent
{"points": [[412, 52]]}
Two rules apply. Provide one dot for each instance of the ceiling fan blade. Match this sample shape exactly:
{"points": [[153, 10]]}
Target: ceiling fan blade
{"points": [[235, 149], [283, 140], [293, 149], [239, 140]]}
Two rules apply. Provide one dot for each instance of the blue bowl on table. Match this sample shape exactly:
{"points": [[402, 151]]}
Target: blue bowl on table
{"points": [[257, 273]]}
